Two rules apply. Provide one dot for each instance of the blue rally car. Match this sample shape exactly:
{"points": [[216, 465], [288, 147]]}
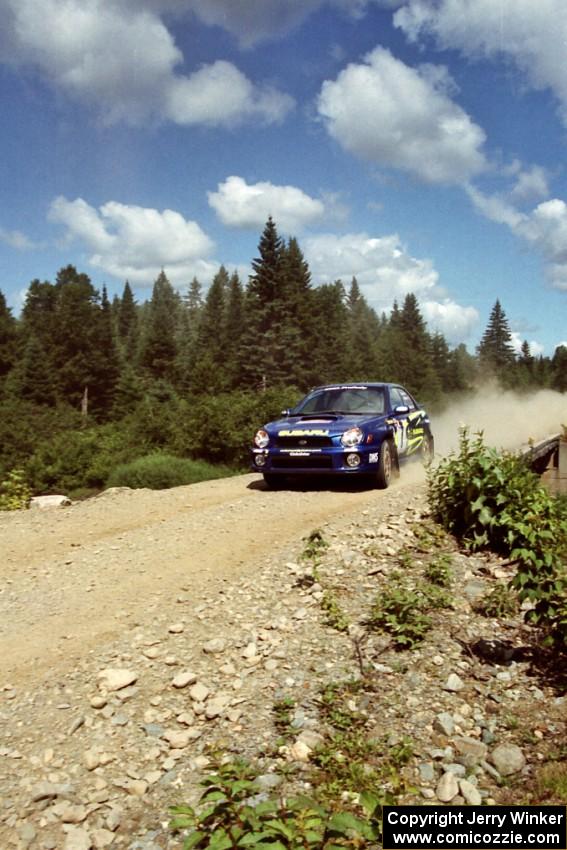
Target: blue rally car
{"points": [[344, 429]]}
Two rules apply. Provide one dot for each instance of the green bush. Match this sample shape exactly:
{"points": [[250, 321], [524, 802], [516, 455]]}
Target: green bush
{"points": [[84, 458], [400, 611], [492, 500], [14, 491], [24, 425], [160, 471], [230, 817], [220, 428]]}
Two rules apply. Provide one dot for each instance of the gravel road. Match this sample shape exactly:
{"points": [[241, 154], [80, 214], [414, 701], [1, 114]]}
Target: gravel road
{"points": [[72, 579]]}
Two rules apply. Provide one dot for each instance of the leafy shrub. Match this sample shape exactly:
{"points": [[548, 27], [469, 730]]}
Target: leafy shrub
{"points": [[220, 428], [501, 602], [439, 572], [24, 425], [14, 491], [400, 611], [231, 816], [335, 617], [160, 471], [492, 500]]}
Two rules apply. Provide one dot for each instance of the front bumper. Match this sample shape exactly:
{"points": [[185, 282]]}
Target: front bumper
{"points": [[333, 460]]}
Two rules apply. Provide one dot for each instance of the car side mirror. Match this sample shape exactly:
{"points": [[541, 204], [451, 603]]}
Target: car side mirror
{"points": [[401, 408], [286, 411]]}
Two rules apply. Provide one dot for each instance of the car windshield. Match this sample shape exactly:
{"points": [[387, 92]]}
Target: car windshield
{"points": [[355, 400]]}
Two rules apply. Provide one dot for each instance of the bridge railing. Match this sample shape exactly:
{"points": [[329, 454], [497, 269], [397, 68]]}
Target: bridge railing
{"points": [[548, 458]]}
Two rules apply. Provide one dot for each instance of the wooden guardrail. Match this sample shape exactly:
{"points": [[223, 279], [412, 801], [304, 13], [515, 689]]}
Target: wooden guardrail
{"points": [[549, 459]]}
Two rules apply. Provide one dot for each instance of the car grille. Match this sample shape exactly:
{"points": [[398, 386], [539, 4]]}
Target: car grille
{"points": [[313, 462], [308, 442]]}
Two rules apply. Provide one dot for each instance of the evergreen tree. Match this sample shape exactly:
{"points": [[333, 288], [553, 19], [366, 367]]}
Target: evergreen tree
{"points": [[105, 364], [234, 328], [39, 312], [462, 370], [8, 339], [496, 352], [364, 332], [292, 301], [75, 347], [33, 377], [128, 393], [158, 345], [128, 325], [559, 369], [208, 371], [194, 304], [187, 334], [329, 357], [261, 342], [412, 348]]}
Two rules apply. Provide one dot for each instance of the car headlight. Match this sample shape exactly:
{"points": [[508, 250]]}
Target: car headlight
{"points": [[261, 439], [352, 437]]}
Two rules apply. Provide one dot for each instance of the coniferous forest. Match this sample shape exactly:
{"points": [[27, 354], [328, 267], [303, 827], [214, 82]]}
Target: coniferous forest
{"points": [[93, 389]]}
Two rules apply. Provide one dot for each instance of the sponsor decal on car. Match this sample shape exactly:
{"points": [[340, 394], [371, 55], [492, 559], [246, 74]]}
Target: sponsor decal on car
{"points": [[373, 457], [304, 432]]}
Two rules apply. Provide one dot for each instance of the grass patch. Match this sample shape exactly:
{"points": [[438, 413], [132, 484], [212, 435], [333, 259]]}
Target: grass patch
{"points": [[161, 471]]}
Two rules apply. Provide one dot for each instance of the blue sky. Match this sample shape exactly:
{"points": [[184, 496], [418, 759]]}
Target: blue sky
{"points": [[417, 144]]}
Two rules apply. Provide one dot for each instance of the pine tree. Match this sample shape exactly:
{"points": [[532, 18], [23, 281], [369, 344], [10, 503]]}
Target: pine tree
{"points": [[496, 352], [329, 355], [292, 304], [364, 333], [234, 328], [74, 347], [105, 363], [8, 339], [261, 341], [128, 325], [33, 378], [208, 371], [158, 345], [559, 369], [187, 334], [128, 393]]}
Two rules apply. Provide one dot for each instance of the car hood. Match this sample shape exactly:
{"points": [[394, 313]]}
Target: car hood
{"points": [[322, 424]]}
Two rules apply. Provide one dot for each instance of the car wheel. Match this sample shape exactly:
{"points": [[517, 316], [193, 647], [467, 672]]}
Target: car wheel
{"points": [[427, 450], [274, 482], [386, 464]]}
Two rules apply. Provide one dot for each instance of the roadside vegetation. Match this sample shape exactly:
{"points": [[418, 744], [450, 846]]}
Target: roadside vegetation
{"points": [[491, 500], [480, 501]]}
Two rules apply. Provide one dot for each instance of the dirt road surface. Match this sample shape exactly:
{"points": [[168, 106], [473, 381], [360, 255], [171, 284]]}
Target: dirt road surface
{"points": [[73, 579]]}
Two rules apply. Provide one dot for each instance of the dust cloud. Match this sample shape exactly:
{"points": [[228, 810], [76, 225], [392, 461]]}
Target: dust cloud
{"points": [[508, 420]]}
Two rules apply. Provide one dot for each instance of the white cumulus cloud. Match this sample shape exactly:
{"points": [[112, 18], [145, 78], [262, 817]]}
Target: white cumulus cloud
{"points": [[517, 340], [543, 228], [382, 267], [136, 242], [453, 320], [385, 272], [530, 33], [404, 118], [240, 204], [121, 60], [220, 95], [15, 239]]}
